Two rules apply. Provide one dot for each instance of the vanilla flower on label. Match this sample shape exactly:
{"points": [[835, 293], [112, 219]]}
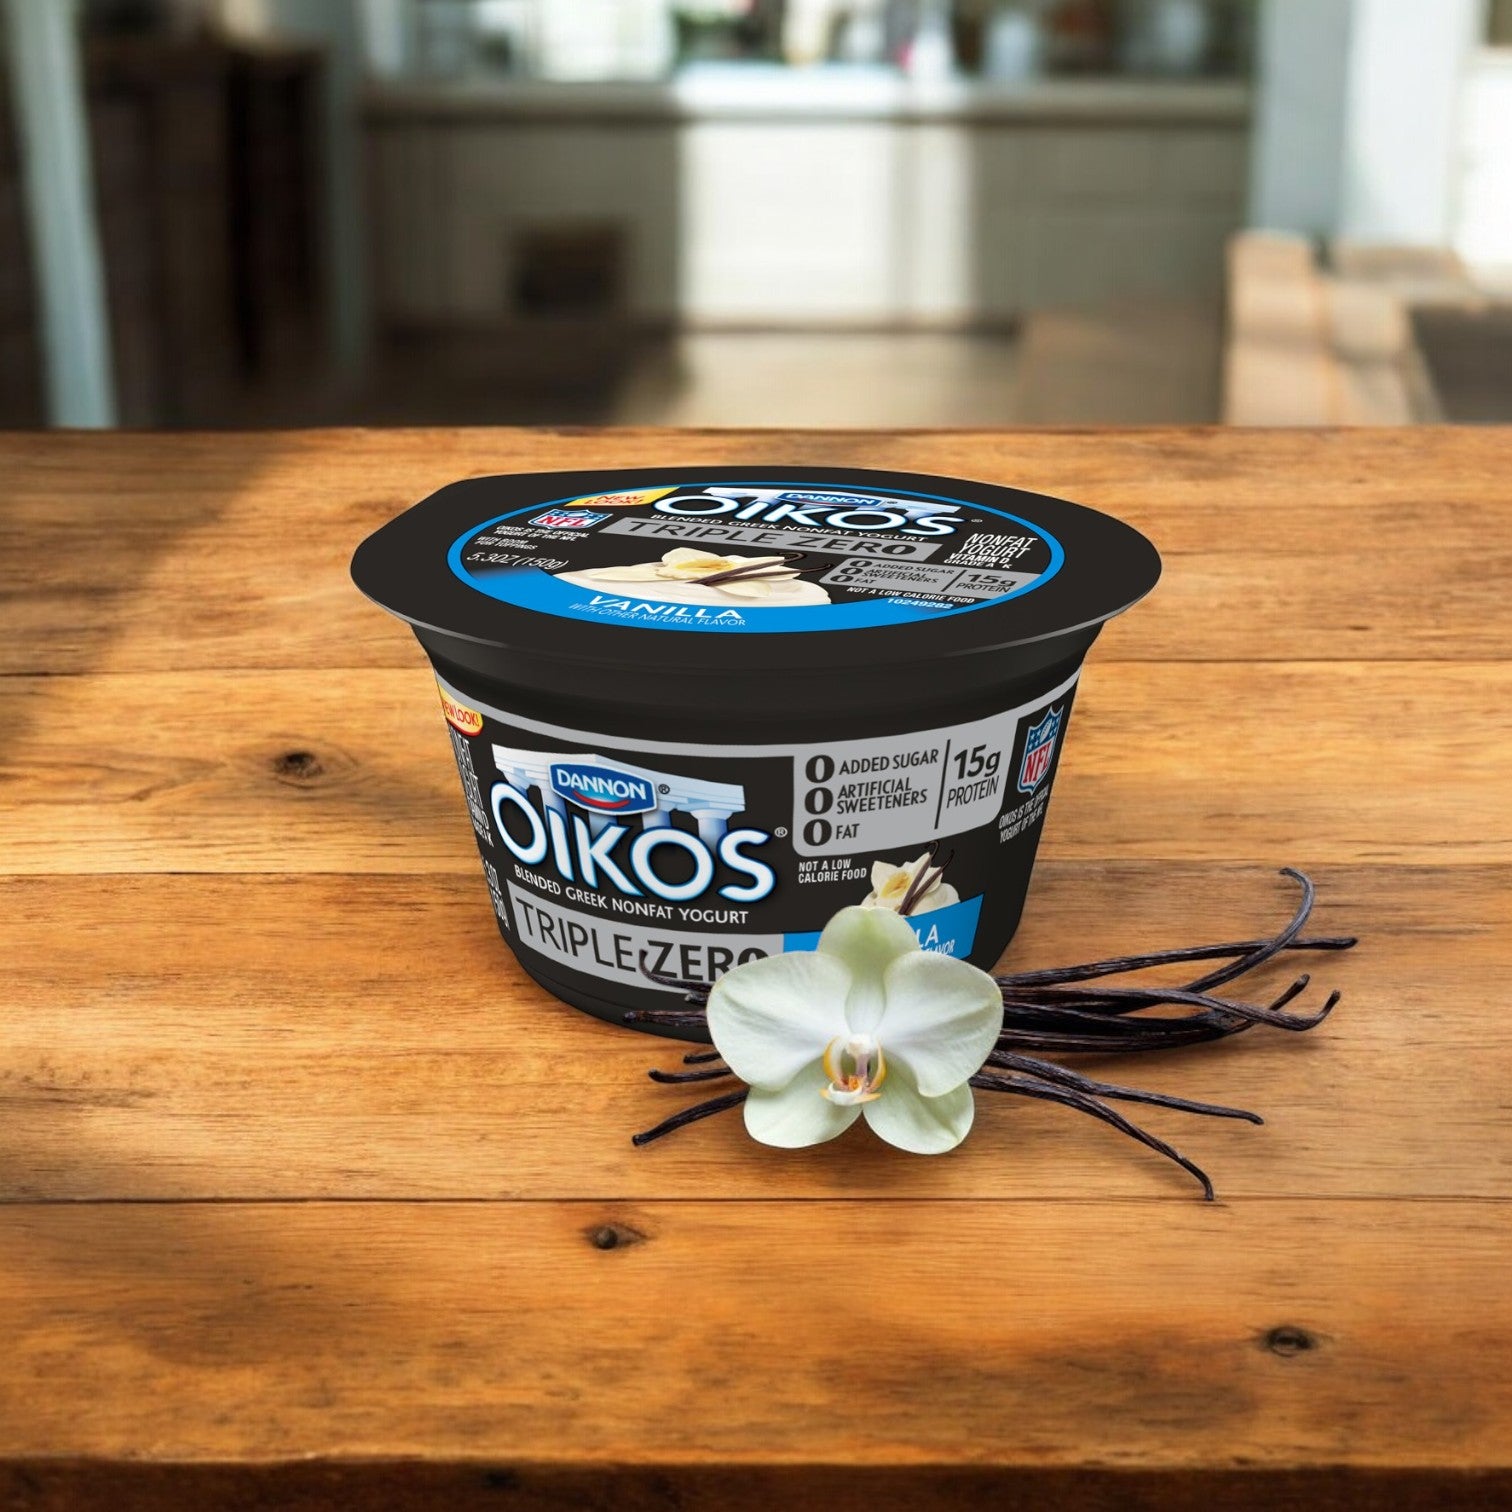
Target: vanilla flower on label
{"points": [[684, 562], [868, 1025], [684, 565], [891, 886]]}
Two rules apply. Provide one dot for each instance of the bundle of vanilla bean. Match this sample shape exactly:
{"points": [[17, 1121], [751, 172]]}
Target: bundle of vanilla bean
{"points": [[1071, 1010]]}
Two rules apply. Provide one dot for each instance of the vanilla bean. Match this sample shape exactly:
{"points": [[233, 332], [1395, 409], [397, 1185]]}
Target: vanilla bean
{"points": [[918, 889], [1253, 1013], [768, 570], [1116, 1002], [665, 979], [1048, 1071], [1034, 1022], [691, 1115], [1112, 1001], [1069, 1016], [913, 892], [1045, 1092], [674, 1077], [1118, 965], [757, 570], [1125, 1002], [923, 881], [1263, 953], [1109, 1016], [1296, 990], [1066, 1011], [1154, 1034], [1246, 955], [1091, 1025], [667, 1018]]}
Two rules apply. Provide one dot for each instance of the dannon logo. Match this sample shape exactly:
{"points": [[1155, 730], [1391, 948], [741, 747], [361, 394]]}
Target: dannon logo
{"points": [[602, 789]]}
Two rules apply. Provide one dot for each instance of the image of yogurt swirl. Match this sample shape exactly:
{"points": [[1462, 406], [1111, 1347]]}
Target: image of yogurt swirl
{"points": [[686, 576]]}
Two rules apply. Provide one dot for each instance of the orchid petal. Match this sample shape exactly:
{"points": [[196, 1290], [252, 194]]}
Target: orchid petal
{"points": [[881, 872], [867, 941], [798, 1114], [770, 1018], [942, 1018], [918, 1124]]}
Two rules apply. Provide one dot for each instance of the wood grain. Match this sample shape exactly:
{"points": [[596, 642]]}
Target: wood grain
{"points": [[308, 1199], [728, 1331], [212, 552], [413, 1485], [302, 1037], [350, 771]]}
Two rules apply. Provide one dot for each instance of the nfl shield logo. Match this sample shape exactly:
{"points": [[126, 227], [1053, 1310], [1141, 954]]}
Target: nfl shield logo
{"points": [[1038, 750], [568, 519]]}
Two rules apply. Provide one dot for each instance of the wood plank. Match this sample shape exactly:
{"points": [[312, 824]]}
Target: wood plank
{"points": [[236, 1038], [231, 551], [350, 771], [1271, 1335], [420, 1486], [308, 1198]]}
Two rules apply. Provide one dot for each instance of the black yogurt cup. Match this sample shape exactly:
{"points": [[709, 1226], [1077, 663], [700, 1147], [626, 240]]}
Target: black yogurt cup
{"points": [[696, 711]]}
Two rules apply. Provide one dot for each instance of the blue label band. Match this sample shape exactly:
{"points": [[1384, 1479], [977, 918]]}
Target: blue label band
{"points": [[949, 931], [530, 587]]}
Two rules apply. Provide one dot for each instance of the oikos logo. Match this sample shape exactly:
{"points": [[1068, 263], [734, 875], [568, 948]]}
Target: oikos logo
{"points": [[815, 509], [627, 843]]}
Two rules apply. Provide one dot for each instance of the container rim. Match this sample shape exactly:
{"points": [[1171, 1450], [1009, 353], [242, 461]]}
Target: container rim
{"points": [[1104, 566]]}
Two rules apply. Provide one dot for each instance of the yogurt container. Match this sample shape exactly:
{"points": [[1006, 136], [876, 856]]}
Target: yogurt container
{"points": [[698, 710]]}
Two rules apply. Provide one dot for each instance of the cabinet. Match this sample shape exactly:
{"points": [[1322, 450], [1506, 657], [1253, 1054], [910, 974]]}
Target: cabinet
{"points": [[20, 354], [208, 220], [454, 206], [809, 221]]}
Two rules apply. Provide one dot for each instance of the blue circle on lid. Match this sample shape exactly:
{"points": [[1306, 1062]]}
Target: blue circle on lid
{"points": [[527, 587]]}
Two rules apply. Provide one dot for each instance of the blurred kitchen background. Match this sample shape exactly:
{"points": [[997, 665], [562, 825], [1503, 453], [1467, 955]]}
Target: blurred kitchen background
{"points": [[755, 212]]}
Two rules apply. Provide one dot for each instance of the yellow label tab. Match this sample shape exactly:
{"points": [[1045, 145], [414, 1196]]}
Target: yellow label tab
{"points": [[459, 716], [625, 500]]}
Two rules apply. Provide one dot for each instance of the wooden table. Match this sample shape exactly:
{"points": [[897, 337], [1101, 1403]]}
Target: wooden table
{"points": [[309, 1196]]}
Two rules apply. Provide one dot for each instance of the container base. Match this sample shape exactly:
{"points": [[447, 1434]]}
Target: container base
{"points": [[610, 1010]]}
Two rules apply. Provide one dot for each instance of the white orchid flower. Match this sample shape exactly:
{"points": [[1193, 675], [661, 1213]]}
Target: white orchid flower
{"points": [[869, 1023], [890, 885]]}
